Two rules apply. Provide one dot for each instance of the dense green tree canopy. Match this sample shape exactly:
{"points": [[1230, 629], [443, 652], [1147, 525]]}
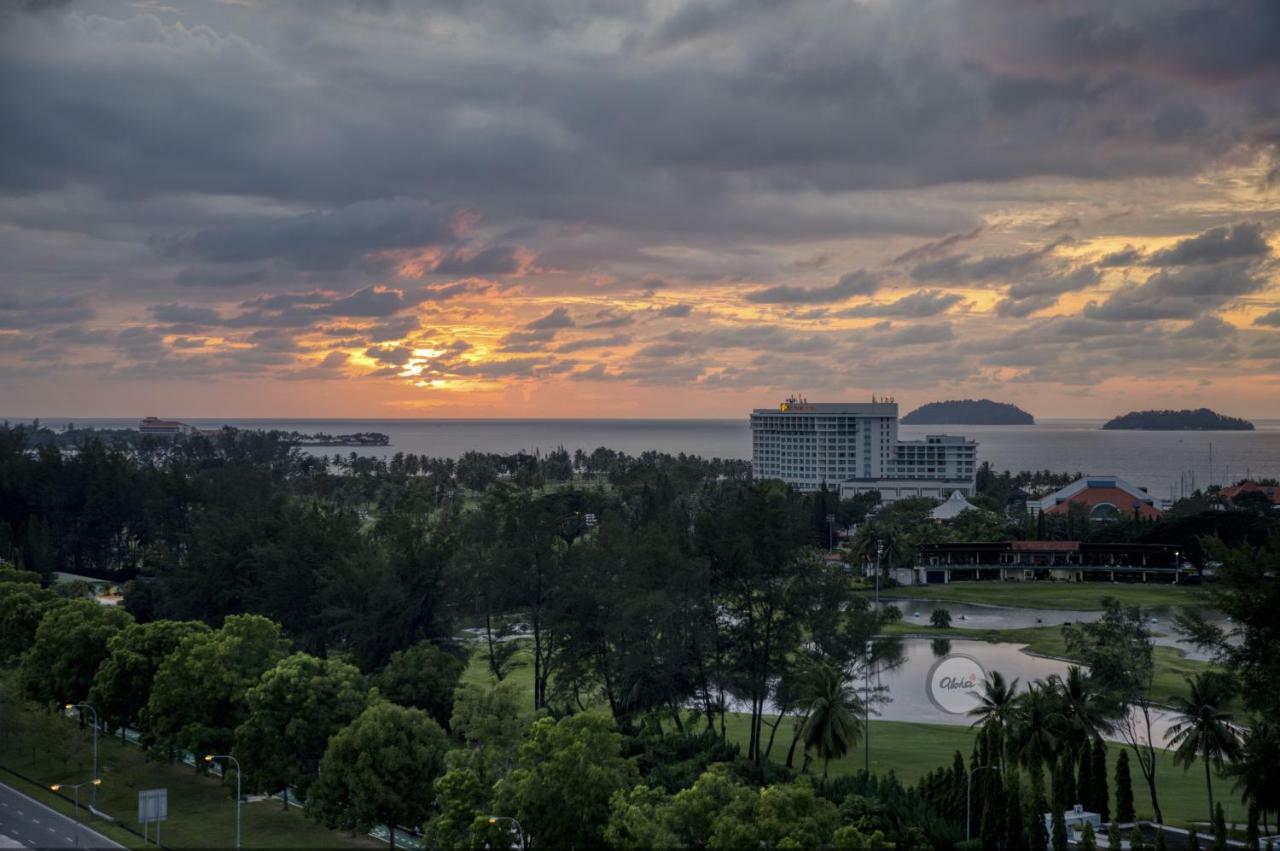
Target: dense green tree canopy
{"points": [[70, 643], [294, 709], [123, 682]]}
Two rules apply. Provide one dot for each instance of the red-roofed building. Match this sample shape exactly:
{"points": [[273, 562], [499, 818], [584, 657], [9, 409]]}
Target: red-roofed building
{"points": [[1102, 498], [1269, 491]]}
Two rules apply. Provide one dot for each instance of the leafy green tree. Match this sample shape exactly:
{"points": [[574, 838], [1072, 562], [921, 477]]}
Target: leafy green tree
{"points": [[1088, 841], [1203, 728], [22, 605], [461, 802], [566, 773], [941, 618], [1120, 654], [1124, 790], [200, 692], [1113, 836], [1256, 768], [293, 711], [997, 702], [715, 795], [380, 769], [122, 685], [1219, 829], [70, 643], [833, 723], [1033, 737], [493, 725], [638, 819], [423, 676]]}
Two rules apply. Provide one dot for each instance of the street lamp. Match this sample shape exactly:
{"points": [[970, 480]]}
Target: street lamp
{"points": [[866, 711], [831, 532], [58, 787], [519, 830], [879, 553], [210, 758], [93, 800], [968, 798]]}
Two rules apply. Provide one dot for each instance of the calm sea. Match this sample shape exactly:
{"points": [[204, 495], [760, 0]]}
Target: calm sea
{"points": [[1163, 462]]}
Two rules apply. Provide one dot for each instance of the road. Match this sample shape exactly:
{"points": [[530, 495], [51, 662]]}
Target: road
{"points": [[26, 823]]}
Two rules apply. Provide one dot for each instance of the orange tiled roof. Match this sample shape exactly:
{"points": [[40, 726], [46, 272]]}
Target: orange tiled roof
{"points": [[1090, 498]]}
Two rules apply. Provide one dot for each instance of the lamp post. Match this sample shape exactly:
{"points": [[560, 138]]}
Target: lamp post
{"points": [[968, 799], [57, 787], [866, 712], [831, 532], [210, 758], [93, 800], [879, 553], [519, 830]]}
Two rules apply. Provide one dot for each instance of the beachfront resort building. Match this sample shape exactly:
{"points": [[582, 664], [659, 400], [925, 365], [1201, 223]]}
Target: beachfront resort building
{"points": [[1027, 561], [854, 446], [157, 426]]}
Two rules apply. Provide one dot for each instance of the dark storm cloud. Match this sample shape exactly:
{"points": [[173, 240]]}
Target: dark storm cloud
{"points": [[498, 260], [557, 318], [960, 268], [1215, 245], [317, 239], [1126, 256], [1183, 293], [1271, 319], [184, 313], [918, 305], [853, 284], [930, 250], [1038, 293], [593, 343], [20, 313], [676, 311]]}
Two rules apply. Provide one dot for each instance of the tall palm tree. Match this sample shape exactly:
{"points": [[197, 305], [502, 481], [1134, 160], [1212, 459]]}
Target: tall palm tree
{"points": [[1085, 713], [1256, 768], [996, 702], [1204, 730], [833, 724], [1034, 738]]}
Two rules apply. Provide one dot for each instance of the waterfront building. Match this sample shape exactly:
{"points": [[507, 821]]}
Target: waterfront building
{"points": [[155, 425], [1102, 498], [854, 446]]}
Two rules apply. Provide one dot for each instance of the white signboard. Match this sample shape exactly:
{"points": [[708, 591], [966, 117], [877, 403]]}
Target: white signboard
{"points": [[153, 805]]}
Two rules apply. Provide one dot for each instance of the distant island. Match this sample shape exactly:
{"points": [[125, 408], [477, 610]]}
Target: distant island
{"points": [[1201, 419], [968, 412]]}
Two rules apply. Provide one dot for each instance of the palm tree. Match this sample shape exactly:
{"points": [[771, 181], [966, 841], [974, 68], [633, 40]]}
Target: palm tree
{"points": [[1085, 713], [832, 725], [996, 702], [1256, 768], [1034, 739], [1204, 730]]}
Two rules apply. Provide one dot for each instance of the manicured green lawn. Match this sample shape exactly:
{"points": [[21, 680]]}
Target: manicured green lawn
{"points": [[913, 750], [1053, 595], [201, 811]]}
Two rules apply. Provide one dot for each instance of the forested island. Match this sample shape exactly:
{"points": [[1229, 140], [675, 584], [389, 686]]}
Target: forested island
{"points": [[968, 412], [1201, 419]]}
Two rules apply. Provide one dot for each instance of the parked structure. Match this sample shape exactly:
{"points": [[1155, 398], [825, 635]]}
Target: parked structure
{"points": [[155, 425], [855, 446]]}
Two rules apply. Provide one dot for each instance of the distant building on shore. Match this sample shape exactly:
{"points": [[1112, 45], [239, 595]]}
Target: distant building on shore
{"points": [[854, 446], [157, 426], [1102, 498], [1027, 561], [1272, 493]]}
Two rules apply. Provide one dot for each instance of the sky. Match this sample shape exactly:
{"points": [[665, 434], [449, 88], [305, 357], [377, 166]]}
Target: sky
{"points": [[621, 208]]}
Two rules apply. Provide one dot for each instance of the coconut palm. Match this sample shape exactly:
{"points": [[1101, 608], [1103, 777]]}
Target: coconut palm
{"points": [[1203, 729], [1256, 768], [1034, 740], [833, 724], [997, 702], [1085, 712]]}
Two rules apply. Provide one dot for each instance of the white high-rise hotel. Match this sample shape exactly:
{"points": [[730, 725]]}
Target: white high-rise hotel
{"points": [[855, 446]]}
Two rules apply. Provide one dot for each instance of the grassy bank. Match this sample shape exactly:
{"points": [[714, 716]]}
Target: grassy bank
{"points": [[913, 750], [1084, 596], [201, 810]]}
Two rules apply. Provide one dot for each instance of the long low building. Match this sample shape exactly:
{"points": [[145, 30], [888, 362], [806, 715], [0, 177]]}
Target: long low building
{"points": [[1027, 561]]}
